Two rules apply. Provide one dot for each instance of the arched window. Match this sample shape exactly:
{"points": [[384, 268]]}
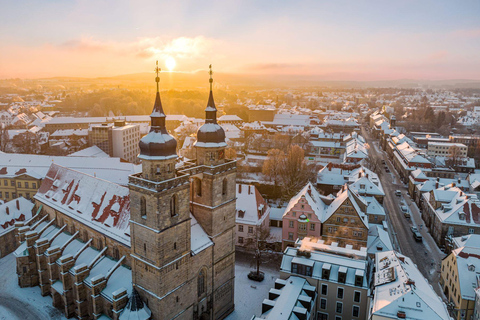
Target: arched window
{"points": [[198, 187], [201, 281], [143, 207], [173, 205], [224, 186]]}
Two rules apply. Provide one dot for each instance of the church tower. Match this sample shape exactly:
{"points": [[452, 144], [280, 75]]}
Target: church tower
{"points": [[160, 224], [213, 205]]}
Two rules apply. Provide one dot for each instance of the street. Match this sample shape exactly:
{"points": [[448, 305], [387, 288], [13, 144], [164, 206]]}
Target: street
{"points": [[425, 254]]}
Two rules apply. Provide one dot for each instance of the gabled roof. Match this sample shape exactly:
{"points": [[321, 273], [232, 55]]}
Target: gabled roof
{"points": [[99, 204], [249, 204], [468, 264], [314, 199], [19, 209], [399, 286]]}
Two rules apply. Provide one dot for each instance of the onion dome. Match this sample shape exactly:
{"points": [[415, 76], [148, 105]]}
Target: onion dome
{"points": [[158, 144], [211, 134]]}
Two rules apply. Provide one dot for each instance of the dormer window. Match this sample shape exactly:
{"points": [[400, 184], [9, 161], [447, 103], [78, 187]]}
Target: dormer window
{"points": [[326, 271], [362, 186], [342, 274]]}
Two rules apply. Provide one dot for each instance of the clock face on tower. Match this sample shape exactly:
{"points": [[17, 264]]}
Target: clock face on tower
{"points": [[221, 154]]}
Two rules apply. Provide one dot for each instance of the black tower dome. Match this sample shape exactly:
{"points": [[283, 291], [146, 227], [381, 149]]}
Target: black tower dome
{"points": [[211, 134], [158, 144]]}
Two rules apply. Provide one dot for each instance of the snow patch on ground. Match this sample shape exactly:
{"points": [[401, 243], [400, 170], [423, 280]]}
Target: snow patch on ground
{"points": [[22, 303], [250, 294]]}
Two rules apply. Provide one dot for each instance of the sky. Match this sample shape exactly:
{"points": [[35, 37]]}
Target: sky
{"points": [[328, 40]]}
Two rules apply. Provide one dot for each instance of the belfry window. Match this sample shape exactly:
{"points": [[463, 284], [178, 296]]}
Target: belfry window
{"points": [[143, 207], [224, 187], [201, 282], [198, 187], [173, 205]]}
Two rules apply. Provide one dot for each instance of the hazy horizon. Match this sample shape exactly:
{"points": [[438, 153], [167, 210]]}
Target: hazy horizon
{"points": [[327, 41]]}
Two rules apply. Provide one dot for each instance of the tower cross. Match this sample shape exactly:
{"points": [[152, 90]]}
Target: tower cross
{"points": [[157, 79], [211, 79]]}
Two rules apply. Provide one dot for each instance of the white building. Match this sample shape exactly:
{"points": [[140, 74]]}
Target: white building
{"points": [[443, 149], [340, 275], [401, 292], [119, 139], [252, 219]]}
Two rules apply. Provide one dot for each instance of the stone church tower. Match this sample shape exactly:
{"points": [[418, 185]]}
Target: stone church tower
{"points": [[181, 268], [214, 203]]}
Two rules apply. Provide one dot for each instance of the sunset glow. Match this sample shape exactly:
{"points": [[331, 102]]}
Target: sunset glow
{"points": [[170, 63], [329, 40]]}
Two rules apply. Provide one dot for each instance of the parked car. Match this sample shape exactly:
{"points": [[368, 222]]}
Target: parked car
{"points": [[417, 236], [386, 169], [414, 229], [398, 193]]}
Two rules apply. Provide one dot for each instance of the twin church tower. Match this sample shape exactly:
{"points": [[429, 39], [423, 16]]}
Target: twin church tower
{"points": [[182, 222]]}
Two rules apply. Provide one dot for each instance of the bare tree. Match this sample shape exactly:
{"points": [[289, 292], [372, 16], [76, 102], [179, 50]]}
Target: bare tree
{"points": [[455, 154], [256, 243], [272, 167], [4, 137], [295, 171]]}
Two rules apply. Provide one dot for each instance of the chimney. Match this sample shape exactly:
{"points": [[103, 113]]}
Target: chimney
{"points": [[436, 185], [18, 205], [7, 209], [239, 188], [329, 166], [249, 189], [367, 175]]}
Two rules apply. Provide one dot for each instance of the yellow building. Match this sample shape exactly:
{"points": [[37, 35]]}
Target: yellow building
{"points": [[459, 271], [16, 183]]}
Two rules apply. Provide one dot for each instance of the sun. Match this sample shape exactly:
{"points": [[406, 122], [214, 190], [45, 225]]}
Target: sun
{"points": [[170, 63]]}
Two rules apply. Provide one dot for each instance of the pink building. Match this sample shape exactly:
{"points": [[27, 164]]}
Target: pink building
{"points": [[302, 217]]}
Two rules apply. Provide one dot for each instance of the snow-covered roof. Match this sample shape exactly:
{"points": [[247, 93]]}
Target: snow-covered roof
{"points": [[19, 209], [331, 259], [470, 240], [289, 299], [111, 169], [230, 117], [251, 208], [102, 205], [199, 238], [400, 287], [92, 151], [468, 264], [314, 199], [378, 240]]}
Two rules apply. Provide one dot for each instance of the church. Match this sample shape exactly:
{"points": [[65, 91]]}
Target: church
{"points": [[163, 248]]}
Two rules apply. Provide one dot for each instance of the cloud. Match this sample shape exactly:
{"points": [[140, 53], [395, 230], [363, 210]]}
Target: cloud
{"points": [[181, 47]]}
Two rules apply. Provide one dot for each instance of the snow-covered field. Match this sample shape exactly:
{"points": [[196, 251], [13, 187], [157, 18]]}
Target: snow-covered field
{"points": [[28, 303], [249, 294]]}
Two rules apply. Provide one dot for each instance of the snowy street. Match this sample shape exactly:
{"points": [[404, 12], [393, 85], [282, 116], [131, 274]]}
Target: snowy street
{"points": [[22, 303]]}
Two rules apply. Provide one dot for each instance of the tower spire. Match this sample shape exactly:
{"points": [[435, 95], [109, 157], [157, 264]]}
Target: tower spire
{"points": [[158, 116], [211, 110]]}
